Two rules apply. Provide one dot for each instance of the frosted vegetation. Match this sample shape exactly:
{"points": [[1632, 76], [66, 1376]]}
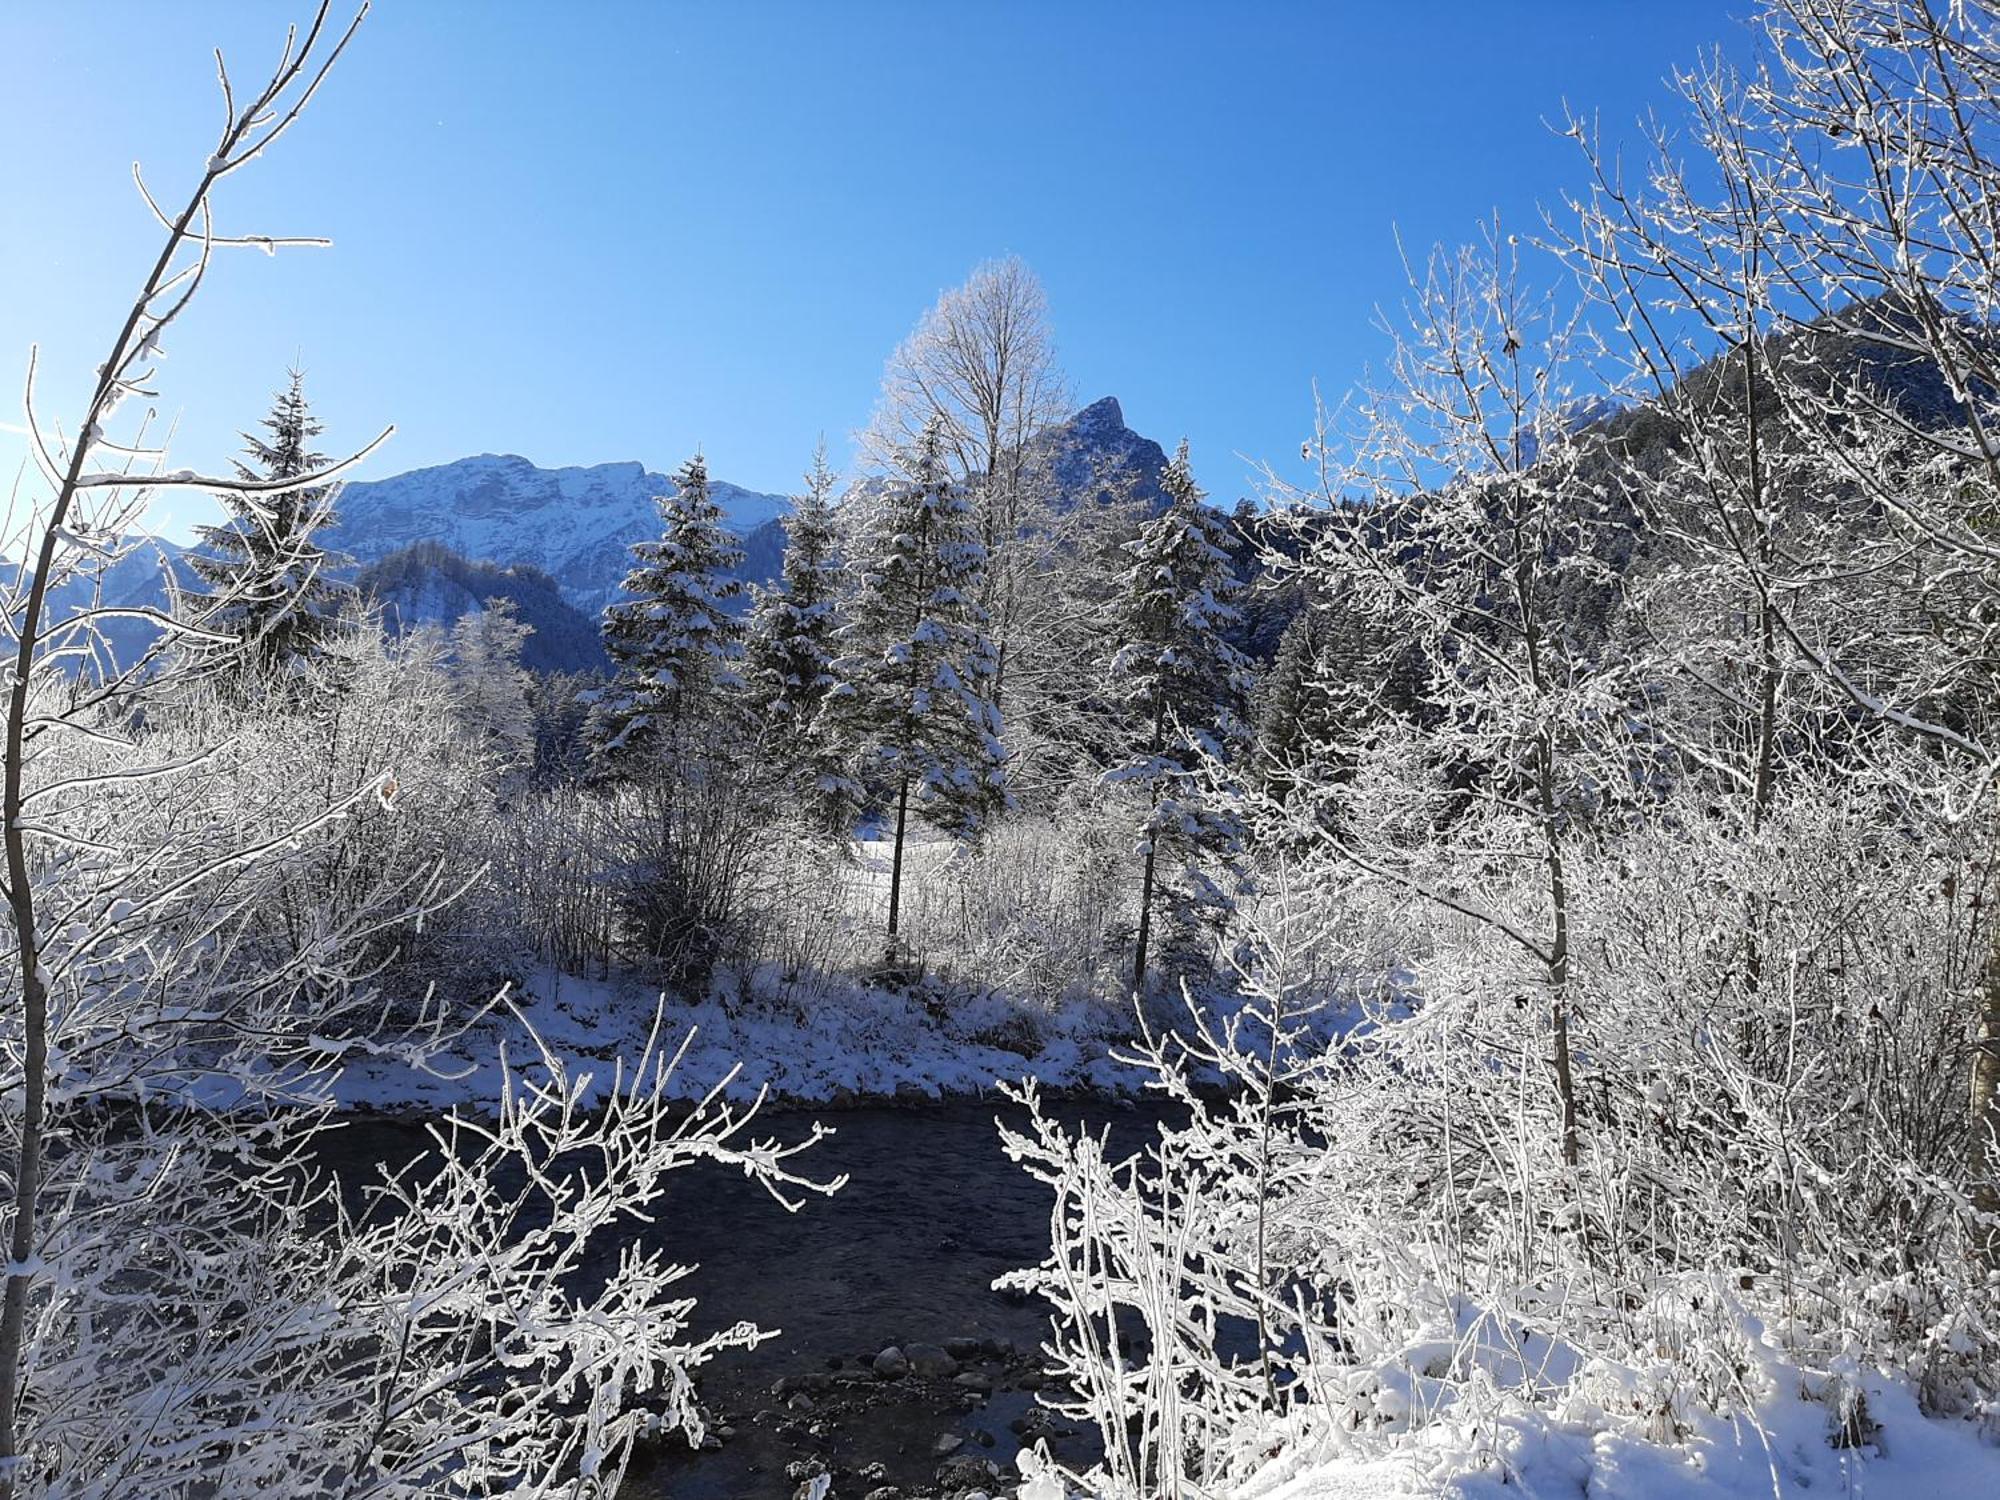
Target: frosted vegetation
{"points": [[1546, 863]]}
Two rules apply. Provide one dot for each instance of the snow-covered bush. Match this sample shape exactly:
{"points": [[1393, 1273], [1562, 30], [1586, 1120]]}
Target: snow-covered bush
{"points": [[552, 864], [1374, 1243], [1040, 908], [683, 853], [384, 712]]}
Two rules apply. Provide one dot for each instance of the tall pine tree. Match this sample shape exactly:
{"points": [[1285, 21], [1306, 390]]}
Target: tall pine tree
{"points": [[913, 704], [1183, 687], [1336, 678], [675, 646], [792, 651], [265, 572]]}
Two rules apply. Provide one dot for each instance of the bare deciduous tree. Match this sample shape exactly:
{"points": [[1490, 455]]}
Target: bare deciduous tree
{"points": [[983, 363]]}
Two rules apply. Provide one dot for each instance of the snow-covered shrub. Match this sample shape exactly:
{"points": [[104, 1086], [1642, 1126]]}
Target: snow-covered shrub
{"points": [[386, 711], [1041, 907], [552, 862], [682, 856], [812, 914], [1376, 1237]]}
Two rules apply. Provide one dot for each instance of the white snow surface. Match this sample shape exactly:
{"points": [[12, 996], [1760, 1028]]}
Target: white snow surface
{"points": [[1783, 1454], [829, 1044]]}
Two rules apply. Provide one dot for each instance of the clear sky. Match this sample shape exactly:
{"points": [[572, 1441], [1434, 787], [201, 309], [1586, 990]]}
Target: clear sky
{"points": [[591, 231]]}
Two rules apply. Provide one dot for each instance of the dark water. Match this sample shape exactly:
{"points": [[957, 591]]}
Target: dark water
{"points": [[906, 1252]]}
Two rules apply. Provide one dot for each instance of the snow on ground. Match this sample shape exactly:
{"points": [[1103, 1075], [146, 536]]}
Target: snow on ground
{"points": [[829, 1043], [1784, 1454]]}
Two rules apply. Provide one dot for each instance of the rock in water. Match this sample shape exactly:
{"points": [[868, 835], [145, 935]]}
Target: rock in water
{"points": [[931, 1362], [891, 1364]]}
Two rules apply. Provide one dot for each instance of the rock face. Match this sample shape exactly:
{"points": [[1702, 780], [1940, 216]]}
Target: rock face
{"points": [[575, 524], [1096, 457]]}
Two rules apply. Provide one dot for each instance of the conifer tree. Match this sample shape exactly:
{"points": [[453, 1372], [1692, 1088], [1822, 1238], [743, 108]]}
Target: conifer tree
{"points": [[1182, 684], [266, 574], [792, 649], [1293, 707], [1337, 679], [913, 704], [675, 646]]}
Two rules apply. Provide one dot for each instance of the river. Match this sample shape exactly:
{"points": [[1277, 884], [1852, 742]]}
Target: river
{"points": [[906, 1253]]}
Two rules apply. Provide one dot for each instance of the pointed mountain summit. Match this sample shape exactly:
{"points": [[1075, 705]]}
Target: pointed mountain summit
{"points": [[1095, 456]]}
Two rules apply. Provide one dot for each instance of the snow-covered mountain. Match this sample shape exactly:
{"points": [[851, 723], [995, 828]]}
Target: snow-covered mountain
{"points": [[459, 534], [575, 524]]}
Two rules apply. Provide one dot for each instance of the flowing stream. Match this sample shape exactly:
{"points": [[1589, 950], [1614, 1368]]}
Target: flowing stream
{"points": [[905, 1254]]}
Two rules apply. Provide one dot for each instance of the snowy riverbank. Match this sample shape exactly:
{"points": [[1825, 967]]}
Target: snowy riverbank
{"points": [[829, 1044]]}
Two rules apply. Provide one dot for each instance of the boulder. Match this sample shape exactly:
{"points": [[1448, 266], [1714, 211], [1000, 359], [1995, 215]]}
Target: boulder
{"points": [[931, 1362], [891, 1364]]}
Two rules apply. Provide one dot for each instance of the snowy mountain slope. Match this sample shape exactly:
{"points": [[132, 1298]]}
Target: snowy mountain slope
{"points": [[575, 524]]}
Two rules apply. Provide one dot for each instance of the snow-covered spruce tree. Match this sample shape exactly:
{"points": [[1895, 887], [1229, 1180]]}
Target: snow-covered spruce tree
{"points": [[675, 645], [1063, 726], [265, 571], [672, 735], [1183, 686], [792, 647], [187, 1308], [1295, 707], [911, 708], [1334, 676]]}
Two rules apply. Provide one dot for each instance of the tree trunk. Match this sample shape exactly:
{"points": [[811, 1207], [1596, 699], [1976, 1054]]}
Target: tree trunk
{"points": [[896, 859], [1558, 966], [1983, 1158], [1144, 938], [1145, 924]]}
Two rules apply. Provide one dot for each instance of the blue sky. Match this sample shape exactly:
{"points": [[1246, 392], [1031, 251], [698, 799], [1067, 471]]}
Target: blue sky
{"points": [[585, 232]]}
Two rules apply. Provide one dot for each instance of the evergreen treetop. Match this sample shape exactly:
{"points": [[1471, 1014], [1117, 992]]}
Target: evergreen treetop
{"points": [[675, 644], [265, 571]]}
